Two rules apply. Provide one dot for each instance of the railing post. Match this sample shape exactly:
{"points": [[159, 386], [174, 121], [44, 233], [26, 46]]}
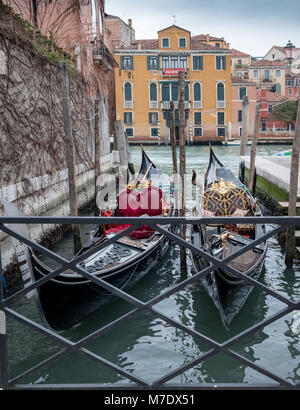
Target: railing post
{"points": [[3, 350]]}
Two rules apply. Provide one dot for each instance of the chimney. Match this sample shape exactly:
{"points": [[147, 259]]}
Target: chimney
{"points": [[130, 22], [207, 38], [139, 46]]}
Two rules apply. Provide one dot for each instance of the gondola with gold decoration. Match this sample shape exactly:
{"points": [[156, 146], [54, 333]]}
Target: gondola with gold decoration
{"points": [[69, 297], [222, 194]]}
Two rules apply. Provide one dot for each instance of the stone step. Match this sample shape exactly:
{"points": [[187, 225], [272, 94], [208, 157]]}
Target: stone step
{"points": [[284, 206]]}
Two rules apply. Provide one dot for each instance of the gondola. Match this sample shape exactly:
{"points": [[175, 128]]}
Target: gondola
{"points": [[222, 194], [69, 297]]}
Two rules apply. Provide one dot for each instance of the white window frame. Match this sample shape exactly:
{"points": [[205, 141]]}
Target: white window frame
{"points": [[197, 104], [129, 123], [162, 42], [222, 68], [132, 130], [217, 122], [276, 73], [157, 121], [201, 132], [255, 73], [128, 104], [221, 104], [154, 128], [153, 104], [182, 38]]}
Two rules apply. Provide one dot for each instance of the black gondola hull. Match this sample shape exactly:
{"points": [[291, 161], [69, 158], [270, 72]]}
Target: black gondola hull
{"points": [[64, 304]]}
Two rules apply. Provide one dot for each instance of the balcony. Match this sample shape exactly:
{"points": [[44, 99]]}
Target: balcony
{"points": [[221, 104], [197, 104], [128, 104], [153, 104], [103, 56]]}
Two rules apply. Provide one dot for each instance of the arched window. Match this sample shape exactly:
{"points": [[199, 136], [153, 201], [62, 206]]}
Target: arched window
{"points": [[220, 92], [197, 92], [128, 92], [153, 92]]}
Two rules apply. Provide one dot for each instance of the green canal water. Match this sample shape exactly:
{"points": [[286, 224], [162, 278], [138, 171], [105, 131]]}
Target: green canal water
{"points": [[148, 347]]}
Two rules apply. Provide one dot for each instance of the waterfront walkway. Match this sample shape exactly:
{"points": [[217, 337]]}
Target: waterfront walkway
{"points": [[274, 169]]}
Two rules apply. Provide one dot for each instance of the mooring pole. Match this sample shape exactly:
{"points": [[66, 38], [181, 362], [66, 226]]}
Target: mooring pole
{"points": [[3, 350], [122, 148], [244, 138], [70, 152], [253, 148], [174, 156], [97, 143], [182, 161], [293, 192]]}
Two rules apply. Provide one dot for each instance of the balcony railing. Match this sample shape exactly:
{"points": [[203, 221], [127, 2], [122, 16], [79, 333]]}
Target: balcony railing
{"points": [[221, 104], [103, 56]]}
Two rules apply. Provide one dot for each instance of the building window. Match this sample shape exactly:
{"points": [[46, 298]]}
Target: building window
{"points": [[264, 126], [255, 73], [197, 92], [221, 118], [242, 93], [197, 118], [240, 131], [218, 45], [174, 62], [174, 92], [126, 62], [221, 131], [269, 108], [127, 92], [152, 63], [240, 115], [197, 132], [182, 42], [165, 42], [278, 88], [290, 91], [165, 62], [197, 62], [154, 132], [240, 62], [186, 92], [127, 117], [153, 117], [165, 92], [220, 63], [183, 62], [220, 92], [278, 73], [153, 92], [129, 132], [266, 74]]}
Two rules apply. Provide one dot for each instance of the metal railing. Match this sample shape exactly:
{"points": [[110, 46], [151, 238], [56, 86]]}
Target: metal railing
{"points": [[279, 224]]}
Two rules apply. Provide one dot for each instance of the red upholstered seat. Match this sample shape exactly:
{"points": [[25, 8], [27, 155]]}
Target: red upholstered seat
{"points": [[151, 201], [128, 203]]}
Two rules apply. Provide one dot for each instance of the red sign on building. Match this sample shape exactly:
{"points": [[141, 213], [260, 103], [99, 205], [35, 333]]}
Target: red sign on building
{"points": [[173, 71]]}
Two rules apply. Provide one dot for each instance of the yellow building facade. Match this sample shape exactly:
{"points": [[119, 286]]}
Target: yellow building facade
{"points": [[147, 80]]}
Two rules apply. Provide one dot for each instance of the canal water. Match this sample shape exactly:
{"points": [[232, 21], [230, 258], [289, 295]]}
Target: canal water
{"points": [[148, 347]]}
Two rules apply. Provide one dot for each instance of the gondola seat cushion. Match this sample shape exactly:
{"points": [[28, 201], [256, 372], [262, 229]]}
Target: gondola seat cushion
{"points": [[151, 201], [128, 203], [224, 202]]}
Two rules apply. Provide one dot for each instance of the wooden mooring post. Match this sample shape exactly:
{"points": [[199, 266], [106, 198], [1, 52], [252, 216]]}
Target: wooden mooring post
{"points": [[182, 161], [244, 137], [97, 143], [174, 156], [70, 152], [122, 148], [253, 148], [294, 171]]}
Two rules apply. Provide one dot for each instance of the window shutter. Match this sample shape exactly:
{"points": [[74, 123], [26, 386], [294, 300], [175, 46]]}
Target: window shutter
{"points": [[174, 89], [197, 92], [122, 62], [220, 92], [165, 90], [148, 62], [218, 65], [153, 92], [200, 62], [128, 94], [131, 63], [186, 92]]}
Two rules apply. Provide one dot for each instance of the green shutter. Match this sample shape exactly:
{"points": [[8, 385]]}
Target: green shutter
{"points": [[153, 92], [197, 92], [220, 92]]}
